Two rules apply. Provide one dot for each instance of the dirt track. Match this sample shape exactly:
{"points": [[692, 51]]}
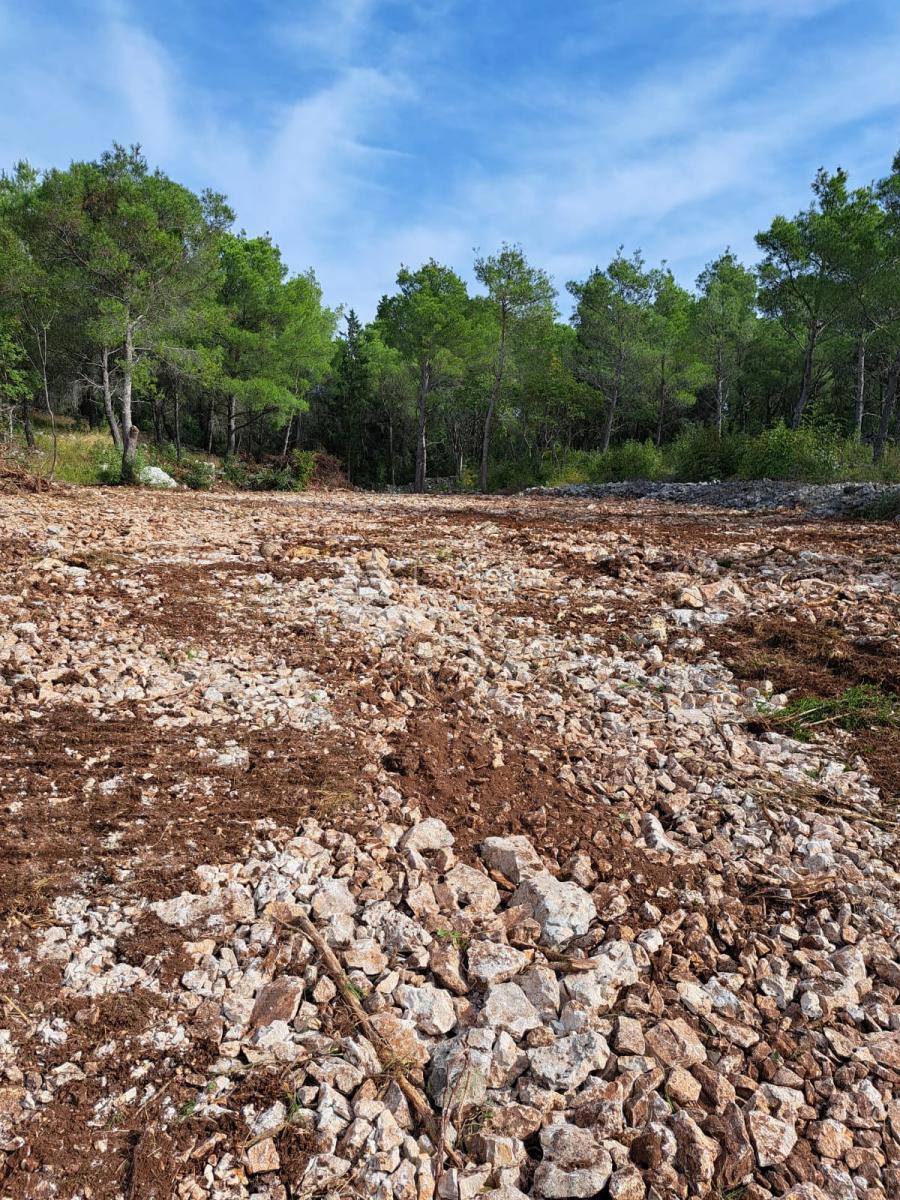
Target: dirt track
{"points": [[185, 680]]}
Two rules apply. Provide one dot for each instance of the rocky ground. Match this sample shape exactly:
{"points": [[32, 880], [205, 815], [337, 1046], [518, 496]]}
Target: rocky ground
{"points": [[875, 501], [380, 846]]}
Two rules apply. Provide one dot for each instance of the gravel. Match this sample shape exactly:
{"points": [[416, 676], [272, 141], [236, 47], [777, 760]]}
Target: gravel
{"points": [[621, 940]]}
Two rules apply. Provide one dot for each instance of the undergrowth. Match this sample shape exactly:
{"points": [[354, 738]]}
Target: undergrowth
{"points": [[864, 706]]}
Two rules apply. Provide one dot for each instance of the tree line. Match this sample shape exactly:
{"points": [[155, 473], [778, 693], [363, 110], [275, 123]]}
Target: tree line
{"points": [[128, 301]]}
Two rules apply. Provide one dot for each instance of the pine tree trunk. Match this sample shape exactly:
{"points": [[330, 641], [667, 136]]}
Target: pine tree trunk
{"points": [[859, 411], [492, 404], [421, 442], [129, 450], [231, 442], [887, 409], [27, 425], [177, 424], [806, 384], [109, 408]]}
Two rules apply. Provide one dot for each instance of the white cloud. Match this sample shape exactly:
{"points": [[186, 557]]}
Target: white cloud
{"points": [[695, 153]]}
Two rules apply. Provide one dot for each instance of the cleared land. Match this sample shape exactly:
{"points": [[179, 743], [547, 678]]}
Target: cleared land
{"points": [[223, 717]]}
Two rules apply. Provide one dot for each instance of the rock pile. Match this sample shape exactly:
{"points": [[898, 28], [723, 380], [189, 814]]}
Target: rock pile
{"points": [[858, 500], [564, 1054], [350, 852]]}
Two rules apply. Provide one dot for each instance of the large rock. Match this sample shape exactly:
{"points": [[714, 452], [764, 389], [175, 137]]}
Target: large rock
{"points": [[574, 1164], [467, 887], [599, 987], [675, 1044], [156, 477], [514, 857], [773, 1139], [697, 1153], [490, 963], [567, 1062], [563, 910], [430, 834], [430, 1008], [507, 1007]]}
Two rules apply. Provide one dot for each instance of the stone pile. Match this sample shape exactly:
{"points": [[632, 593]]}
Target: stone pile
{"points": [[564, 1054], [661, 961]]}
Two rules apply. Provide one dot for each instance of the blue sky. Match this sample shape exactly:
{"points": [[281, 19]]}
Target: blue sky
{"points": [[366, 133]]}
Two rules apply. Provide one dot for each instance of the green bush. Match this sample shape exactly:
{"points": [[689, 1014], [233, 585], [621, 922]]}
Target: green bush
{"points": [[630, 460], [699, 453], [888, 470], [234, 471], [303, 465], [793, 454], [198, 474]]}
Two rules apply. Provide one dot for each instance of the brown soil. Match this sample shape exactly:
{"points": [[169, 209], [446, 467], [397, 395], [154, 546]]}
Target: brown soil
{"points": [[823, 660], [173, 809], [446, 766]]}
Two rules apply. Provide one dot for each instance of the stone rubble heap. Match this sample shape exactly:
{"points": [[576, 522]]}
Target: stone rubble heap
{"points": [[667, 965], [566, 1054], [820, 499]]}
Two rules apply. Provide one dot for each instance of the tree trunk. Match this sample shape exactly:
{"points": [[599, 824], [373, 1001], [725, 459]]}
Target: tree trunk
{"points": [[158, 402], [611, 406], [391, 449], [421, 443], [287, 437], [661, 412], [806, 384], [492, 403], [129, 450], [42, 349], [177, 424], [230, 441], [26, 422], [128, 454], [112, 419], [720, 393], [887, 409], [859, 411]]}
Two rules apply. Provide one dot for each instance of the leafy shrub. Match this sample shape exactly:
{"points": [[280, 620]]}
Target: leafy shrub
{"points": [[885, 507], [699, 453], [888, 470], [198, 474], [271, 479], [794, 454], [303, 465], [235, 472], [632, 460]]}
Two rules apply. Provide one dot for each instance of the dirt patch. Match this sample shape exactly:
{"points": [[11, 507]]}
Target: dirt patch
{"points": [[815, 660], [485, 783], [91, 801], [821, 660]]}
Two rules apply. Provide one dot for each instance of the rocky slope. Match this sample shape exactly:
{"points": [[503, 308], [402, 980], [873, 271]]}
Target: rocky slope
{"points": [[381, 846], [848, 500]]}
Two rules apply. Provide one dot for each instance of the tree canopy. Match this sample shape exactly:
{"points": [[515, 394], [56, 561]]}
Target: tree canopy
{"points": [[129, 301]]}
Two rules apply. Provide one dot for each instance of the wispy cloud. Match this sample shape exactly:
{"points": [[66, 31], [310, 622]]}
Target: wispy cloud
{"points": [[394, 132]]}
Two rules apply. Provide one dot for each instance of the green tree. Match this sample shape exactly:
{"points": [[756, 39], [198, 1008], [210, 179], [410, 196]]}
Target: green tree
{"points": [[14, 384], [803, 278], [427, 320], [610, 319], [725, 319], [254, 317], [515, 290], [676, 370], [138, 244]]}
